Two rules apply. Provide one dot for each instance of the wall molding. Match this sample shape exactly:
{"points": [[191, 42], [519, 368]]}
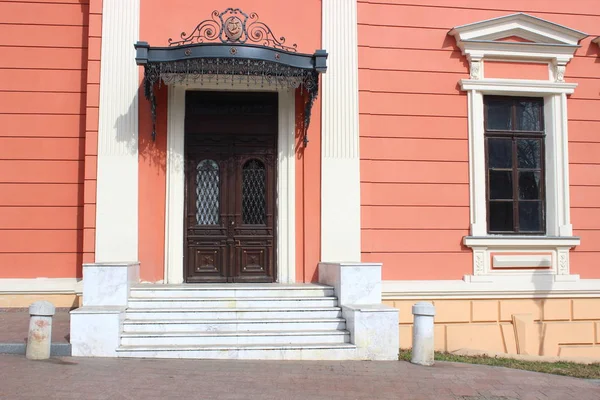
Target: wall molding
{"points": [[286, 179], [41, 286], [517, 87], [501, 289]]}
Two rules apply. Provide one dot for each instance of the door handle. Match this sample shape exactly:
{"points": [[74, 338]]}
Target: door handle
{"points": [[232, 222]]}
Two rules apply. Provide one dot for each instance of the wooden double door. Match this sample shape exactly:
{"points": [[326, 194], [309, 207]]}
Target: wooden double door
{"points": [[231, 142]]}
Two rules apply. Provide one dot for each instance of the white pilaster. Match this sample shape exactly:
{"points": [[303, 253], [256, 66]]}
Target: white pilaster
{"points": [[117, 185], [340, 176]]}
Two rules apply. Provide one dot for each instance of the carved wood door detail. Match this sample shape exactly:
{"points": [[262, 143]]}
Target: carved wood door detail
{"points": [[230, 197]]}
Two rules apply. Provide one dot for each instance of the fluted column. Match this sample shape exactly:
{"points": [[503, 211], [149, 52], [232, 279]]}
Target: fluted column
{"points": [[340, 178], [117, 187]]}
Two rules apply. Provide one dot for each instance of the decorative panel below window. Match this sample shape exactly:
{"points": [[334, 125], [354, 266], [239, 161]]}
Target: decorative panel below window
{"points": [[254, 193], [207, 193]]}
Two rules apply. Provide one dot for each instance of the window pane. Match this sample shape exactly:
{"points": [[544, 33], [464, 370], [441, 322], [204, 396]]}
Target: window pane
{"points": [[530, 216], [499, 153], [529, 185], [499, 114], [207, 193], [254, 193], [529, 115], [501, 216], [501, 185], [528, 153]]}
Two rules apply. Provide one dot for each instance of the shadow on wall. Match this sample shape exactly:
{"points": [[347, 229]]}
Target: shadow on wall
{"points": [[151, 152]]}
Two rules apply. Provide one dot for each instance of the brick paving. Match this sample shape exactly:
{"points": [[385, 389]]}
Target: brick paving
{"points": [[106, 378], [14, 324]]}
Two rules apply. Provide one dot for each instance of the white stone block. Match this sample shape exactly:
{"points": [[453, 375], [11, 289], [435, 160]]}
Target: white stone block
{"points": [[354, 283], [95, 331], [108, 284], [374, 330]]}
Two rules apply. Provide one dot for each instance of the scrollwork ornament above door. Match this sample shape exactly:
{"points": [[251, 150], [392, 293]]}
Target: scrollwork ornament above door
{"points": [[233, 26]]}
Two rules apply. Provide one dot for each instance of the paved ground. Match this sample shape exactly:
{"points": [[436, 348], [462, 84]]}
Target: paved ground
{"points": [[14, 324], [89, 379]]}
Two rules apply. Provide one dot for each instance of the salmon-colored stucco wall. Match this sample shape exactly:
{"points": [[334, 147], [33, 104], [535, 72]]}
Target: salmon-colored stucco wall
{"points": [[413, 124], [43, 89], [299, 22]]}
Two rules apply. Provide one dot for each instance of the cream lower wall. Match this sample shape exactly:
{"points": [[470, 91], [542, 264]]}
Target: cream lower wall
{"points": [[548, 327], [25, 300]]}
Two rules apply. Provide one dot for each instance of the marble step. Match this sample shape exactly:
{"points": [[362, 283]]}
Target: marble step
{"points": [[262, 302], [232, 313], [234, 325], [231, 290], [322, 351], [233, 338]]}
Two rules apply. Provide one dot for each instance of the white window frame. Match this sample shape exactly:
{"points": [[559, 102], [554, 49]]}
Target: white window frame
{"points": [[512, 258]]}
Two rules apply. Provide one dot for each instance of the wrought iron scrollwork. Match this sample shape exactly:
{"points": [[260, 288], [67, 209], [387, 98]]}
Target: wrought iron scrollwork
{"points": [[233, 26]]}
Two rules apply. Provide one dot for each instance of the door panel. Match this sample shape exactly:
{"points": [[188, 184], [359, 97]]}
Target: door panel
{"points": [[231, 193], [206, 224], [254, 234]]}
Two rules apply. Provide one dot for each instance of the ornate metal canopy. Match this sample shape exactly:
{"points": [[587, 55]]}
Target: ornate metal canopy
{"points": [[231, 47]]}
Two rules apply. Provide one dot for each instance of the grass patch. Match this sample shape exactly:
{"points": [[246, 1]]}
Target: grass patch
{"points": [[591, 371]]}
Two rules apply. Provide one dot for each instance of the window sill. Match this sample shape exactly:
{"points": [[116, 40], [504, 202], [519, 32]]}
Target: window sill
{"points": [[521, 242], [521, 256]]}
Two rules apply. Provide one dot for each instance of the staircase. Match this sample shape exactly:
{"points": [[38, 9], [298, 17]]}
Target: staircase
{"points": [[235, 321]]}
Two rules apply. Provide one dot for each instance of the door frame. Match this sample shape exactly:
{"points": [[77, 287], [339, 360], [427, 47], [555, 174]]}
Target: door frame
{"points": [[285, 251]]}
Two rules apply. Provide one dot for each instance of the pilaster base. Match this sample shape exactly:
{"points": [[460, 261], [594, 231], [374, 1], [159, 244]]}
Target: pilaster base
{"points": [[373, 326]]}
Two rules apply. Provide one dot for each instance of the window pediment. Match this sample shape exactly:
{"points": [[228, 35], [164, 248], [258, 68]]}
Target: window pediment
{"points": [[517, 37], [533, 29]]}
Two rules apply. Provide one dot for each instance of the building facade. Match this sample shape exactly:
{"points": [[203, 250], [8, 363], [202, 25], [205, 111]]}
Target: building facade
{"points": [[442, 151]]}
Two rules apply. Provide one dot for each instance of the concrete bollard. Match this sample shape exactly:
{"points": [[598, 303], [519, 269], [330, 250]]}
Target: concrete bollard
{"points": [[39, 338], [422, 350]]}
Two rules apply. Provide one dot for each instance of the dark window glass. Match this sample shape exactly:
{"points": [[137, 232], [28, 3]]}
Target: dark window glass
{"points": [[530, 217], [501, 185], [499, 153], [501, 216], [499, 114], [529, 185], [514, 133]]}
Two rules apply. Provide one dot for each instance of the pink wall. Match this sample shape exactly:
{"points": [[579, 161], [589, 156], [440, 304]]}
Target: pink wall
{"points": [[413, 124], [42, 115]]}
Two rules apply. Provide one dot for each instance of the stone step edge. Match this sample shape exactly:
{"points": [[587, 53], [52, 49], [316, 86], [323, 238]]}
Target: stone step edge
{"points": [[130, 321], [229, 286], [213, 299], [333, 346], [332, 332], [230, 310]]}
